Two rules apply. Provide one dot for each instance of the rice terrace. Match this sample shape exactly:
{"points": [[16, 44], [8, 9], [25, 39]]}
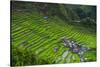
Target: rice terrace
{"points": [[52, 33]]}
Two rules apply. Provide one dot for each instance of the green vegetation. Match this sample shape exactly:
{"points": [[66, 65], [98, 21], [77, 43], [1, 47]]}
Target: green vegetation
{"points": [[34, 37], [22, 56]]}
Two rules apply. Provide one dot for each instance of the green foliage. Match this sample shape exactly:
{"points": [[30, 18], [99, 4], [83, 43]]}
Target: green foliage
{"points": [[89, 56], [22, 56], [68, 13], [34, 37]]}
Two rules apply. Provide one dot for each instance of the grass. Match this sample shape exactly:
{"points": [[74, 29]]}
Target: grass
{"points": [[33, 40]]}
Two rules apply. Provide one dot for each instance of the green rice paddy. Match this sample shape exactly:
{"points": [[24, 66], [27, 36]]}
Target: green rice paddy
{"points": [[30, 31]]}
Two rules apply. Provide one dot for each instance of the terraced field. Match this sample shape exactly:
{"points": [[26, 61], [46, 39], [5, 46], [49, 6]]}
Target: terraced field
{"points": [[33, 32]]}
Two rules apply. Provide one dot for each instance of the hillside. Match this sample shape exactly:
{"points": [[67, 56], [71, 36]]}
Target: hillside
{"points": [[37, 28]]}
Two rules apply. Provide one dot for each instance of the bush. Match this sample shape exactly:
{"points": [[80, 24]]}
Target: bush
{"points": [[22, 56]]}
